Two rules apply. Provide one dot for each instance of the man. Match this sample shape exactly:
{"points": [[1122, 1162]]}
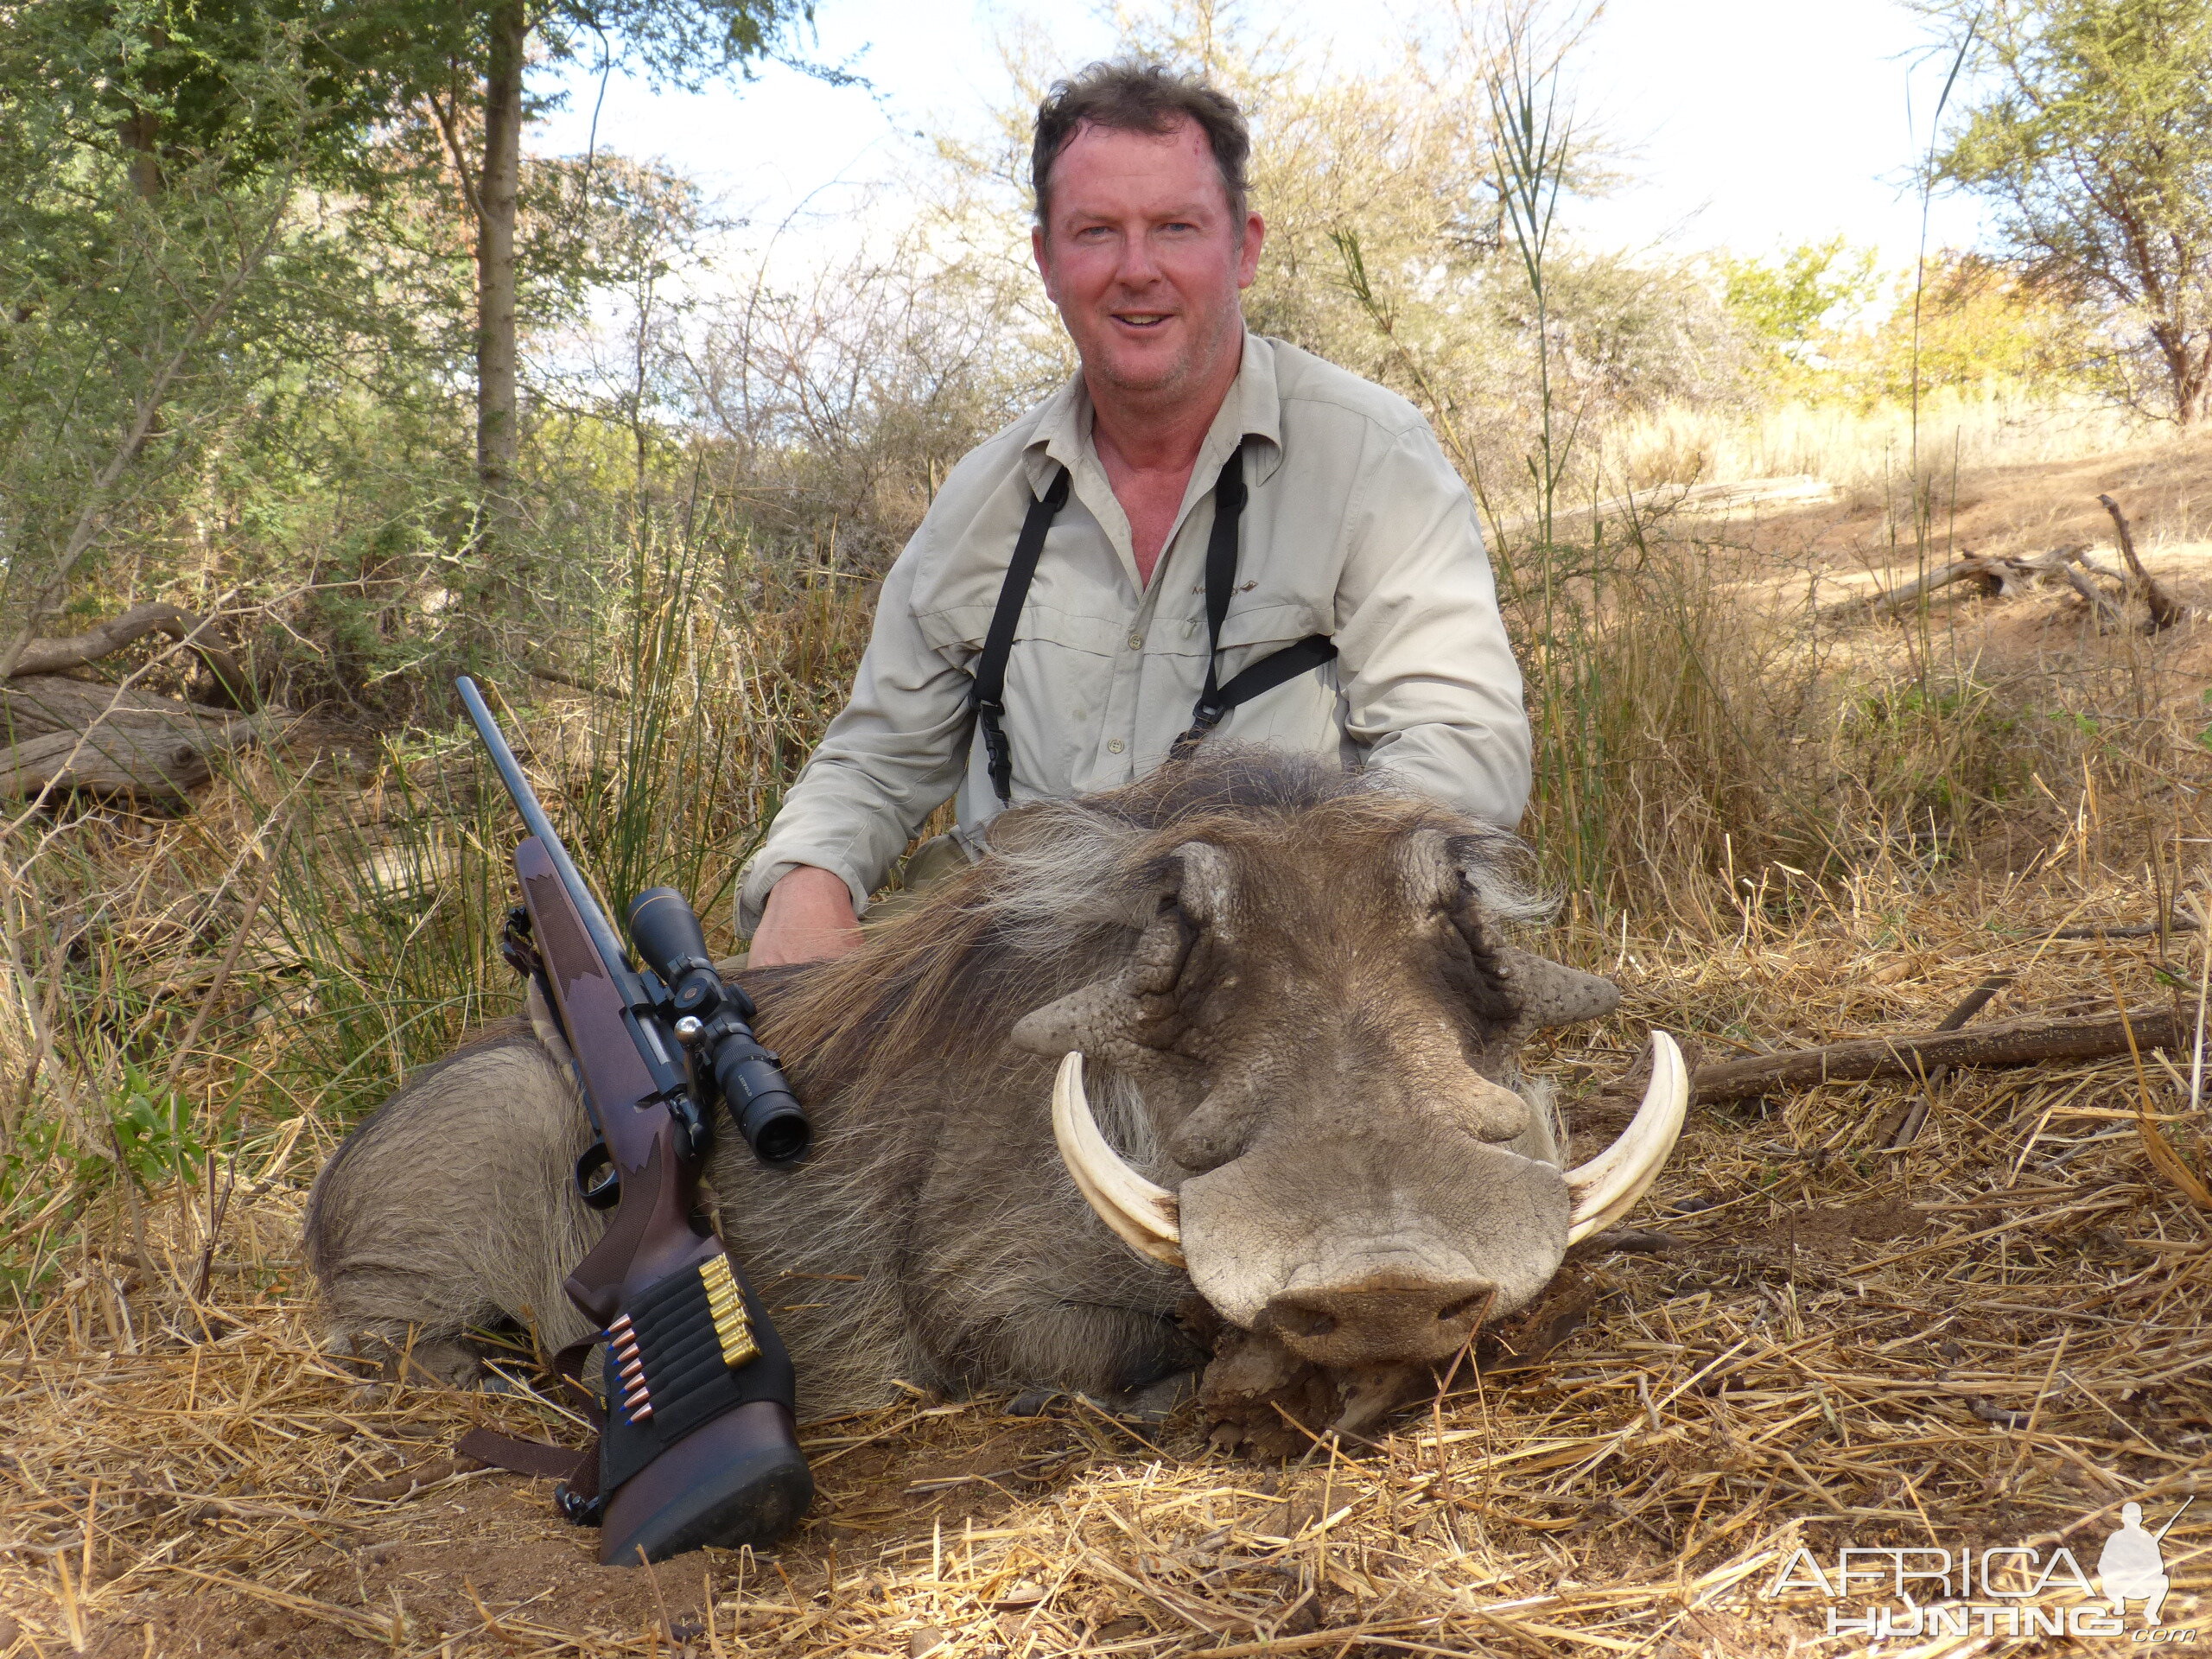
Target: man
{"points": [[2133, 1565], [1321, 504]]}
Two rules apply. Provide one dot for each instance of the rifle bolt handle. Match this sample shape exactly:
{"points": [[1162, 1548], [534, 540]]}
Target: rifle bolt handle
{"points": [[688, 1028]]}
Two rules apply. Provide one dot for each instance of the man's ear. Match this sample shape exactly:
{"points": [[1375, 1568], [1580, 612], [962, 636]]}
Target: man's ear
{"points": [[1043, 262], [1248, 257]]}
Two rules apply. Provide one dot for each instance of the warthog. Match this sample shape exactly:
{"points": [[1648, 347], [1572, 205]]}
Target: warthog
{"points": [[1281, 988]]}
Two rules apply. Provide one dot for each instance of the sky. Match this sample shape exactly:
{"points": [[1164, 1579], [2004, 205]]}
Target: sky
{"points": [[1753, 124]]}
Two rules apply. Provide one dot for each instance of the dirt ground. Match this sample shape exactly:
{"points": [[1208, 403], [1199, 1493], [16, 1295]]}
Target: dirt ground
{"points": [[1824, 1331]]}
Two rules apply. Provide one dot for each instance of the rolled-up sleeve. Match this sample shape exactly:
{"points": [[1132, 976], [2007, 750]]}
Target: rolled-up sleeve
{"points": [[889, 759], [1432, 691]]}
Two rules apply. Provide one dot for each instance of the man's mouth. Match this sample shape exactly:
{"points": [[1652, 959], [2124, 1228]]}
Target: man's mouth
{"points": [[1141, 319]]}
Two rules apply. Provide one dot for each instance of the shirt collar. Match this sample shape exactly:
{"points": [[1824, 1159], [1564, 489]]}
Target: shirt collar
{"points": [[1253, 411]]}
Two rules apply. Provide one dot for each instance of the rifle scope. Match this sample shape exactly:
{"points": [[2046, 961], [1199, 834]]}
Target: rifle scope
{"points": [[716, 1016]]}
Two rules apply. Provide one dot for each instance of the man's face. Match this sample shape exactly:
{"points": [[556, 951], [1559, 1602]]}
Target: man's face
{"points": [[1144, 260]]}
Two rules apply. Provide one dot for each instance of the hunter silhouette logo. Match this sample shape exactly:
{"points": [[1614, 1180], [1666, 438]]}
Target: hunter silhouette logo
{"points": [[2133, 1566], [2013, 1590]]}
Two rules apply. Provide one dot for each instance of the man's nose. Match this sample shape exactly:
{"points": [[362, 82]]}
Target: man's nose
{"points": [[1138, 268]]}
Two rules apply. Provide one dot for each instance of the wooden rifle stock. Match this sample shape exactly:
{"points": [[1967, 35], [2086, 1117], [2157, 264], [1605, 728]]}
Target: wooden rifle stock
{"points": [[615, 1049]]}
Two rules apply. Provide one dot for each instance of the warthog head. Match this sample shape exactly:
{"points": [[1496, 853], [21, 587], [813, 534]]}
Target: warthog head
{"points": [[1311, 1040]]}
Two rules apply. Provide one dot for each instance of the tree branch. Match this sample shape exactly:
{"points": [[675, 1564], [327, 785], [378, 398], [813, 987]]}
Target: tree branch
{"points": [[2027, 1042], [2164, 612], [106, 639]]}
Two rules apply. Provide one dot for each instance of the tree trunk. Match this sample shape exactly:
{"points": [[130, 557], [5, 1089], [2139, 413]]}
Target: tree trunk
{"points": [[497, 437], [137, 133]]}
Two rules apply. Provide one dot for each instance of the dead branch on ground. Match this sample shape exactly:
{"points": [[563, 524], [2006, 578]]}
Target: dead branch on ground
{"points": [[2164, 609], [106, 639], [1998, 577], [2030, 1040]]}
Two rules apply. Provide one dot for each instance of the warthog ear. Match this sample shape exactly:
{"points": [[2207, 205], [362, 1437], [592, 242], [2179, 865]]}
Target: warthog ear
{"points": [[1548, 993], [1134, 1010]]}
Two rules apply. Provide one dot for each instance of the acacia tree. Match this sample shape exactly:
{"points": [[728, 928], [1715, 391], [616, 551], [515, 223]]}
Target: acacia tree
{"points": [[2091, 134], [158, 80], [463, 72]]}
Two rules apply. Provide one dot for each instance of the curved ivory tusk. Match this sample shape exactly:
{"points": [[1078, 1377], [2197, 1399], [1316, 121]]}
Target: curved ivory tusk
{"points": [[1607, 1187], [1144, 1216]]}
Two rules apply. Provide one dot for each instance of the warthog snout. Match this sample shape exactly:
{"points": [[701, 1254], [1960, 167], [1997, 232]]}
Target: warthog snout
{"points": [[1384, 1318]]}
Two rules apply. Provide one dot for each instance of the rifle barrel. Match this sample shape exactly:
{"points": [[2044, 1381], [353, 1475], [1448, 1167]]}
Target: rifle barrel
{"points": [[534, 819]]}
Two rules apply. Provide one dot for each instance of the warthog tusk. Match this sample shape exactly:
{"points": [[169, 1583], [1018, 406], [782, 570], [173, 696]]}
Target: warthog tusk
{"points": [[1607, 1187], [1144, 1216]]}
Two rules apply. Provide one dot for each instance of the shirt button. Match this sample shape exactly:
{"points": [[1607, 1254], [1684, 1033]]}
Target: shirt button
{"points": [[1136, 642], [1115, 745]]}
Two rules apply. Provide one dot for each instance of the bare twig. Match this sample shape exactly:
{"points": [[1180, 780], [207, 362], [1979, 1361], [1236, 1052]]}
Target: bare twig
{"points": [[1975, 1002], [2125, 929]]}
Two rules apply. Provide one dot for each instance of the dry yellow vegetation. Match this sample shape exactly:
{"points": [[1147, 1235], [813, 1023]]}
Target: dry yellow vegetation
{"points": [[1974, 1321]]}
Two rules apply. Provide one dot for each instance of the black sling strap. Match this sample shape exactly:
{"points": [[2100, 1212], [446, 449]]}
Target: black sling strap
{"points": [[1271, 670], [1214, 702], [988, 693]]}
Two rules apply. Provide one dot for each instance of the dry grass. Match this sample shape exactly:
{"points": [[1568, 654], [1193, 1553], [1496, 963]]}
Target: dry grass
{"points": [[1858, 446], [1991, 1336]]}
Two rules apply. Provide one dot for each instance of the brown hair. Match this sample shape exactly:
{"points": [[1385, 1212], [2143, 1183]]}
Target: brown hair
{"points": [[1152, 98]]}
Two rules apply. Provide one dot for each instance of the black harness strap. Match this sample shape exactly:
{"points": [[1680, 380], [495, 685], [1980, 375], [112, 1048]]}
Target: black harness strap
{"points": [[1271, 670], [988, 695]]}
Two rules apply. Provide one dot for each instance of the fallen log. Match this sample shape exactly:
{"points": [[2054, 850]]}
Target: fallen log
{"points": [[2030, 1040], [2101, 603], [1989, 573], [62, 735], [106, 639], [1998, 577]]}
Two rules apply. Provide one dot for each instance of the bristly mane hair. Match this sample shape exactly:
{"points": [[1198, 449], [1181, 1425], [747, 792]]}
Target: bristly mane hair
{"points": [[1061, 897]]}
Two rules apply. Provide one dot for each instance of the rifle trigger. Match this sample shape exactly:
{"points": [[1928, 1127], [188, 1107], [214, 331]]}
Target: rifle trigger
{"points": [[517, 947]]}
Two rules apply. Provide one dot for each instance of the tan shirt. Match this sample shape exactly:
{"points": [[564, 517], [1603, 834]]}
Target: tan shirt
{"points": [[1355, 526]]}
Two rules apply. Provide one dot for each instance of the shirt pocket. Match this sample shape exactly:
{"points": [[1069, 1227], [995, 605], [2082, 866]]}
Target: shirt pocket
{"points": [[957, 632]]}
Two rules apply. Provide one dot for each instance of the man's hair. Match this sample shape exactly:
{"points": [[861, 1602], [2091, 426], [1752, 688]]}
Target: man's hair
{"points": [[1131, 97]]}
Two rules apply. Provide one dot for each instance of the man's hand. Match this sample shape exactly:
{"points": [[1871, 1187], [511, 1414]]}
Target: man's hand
{"points": [[808, 918]]}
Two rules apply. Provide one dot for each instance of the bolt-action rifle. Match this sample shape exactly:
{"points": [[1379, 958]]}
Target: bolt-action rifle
{"points": [[699, 1445]]}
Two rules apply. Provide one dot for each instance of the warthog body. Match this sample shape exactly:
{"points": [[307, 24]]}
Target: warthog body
{"points": [[1297, 1015]]}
